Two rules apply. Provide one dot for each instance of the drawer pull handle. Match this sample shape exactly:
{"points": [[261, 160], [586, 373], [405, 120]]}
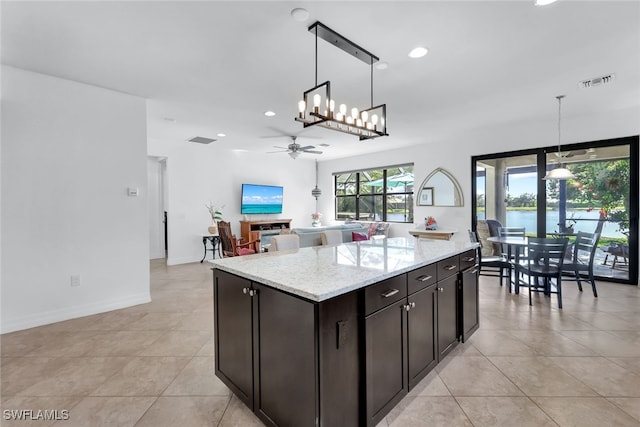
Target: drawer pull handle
{"points": [[389, 293], [474, 271], [450, 267], [469, 259], [423, 278]]}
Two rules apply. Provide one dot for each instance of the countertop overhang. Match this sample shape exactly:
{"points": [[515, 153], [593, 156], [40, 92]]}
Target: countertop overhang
{"points": [[322, 272]]}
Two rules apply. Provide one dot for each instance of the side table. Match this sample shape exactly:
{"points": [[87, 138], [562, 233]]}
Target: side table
{"points": [[214, 239]]}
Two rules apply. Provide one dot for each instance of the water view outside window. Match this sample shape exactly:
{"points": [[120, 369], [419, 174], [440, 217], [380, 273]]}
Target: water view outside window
{"points": [[383, 194], [597, 200]]}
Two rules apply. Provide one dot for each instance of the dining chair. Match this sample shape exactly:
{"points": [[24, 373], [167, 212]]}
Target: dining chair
{"points": [[497, 265], [284, 242], [581, 259], [512, 258], [231, 246], [545, 257], [331, 237]]}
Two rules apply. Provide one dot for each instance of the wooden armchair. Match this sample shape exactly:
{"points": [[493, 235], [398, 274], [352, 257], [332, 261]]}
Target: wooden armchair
{"points": [[232, 246]]}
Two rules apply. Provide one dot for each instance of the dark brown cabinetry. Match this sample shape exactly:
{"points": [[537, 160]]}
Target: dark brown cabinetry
{"points": [[421, 333], [385, 344], [267, 346], [345, 361], [470, 316]]}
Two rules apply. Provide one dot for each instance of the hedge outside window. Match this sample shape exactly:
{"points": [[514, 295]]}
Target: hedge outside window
{"points": [[383, 194]]}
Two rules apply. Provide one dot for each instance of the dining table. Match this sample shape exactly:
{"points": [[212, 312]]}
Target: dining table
{"points": [[513, 245]]}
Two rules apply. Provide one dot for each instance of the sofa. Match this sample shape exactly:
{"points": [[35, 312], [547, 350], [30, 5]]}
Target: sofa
{"points": [[311, 236]]}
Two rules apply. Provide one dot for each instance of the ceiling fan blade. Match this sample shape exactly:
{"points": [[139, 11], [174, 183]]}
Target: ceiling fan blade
{"points": [[306, 147], [312, 151], [282, 148], [279, 151]]}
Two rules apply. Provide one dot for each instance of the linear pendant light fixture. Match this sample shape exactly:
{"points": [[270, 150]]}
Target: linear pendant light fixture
{"points": [[559, 173], [365, 123]]}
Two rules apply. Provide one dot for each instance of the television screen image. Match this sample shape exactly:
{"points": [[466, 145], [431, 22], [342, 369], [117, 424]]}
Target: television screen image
{"points": [[261, 199]]}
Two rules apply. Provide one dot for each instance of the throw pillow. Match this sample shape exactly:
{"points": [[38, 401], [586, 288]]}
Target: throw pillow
{"points": [[482, 228], [358, 236], [245, 251]]}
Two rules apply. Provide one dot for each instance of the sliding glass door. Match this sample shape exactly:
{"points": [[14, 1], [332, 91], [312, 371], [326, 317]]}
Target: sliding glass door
{"points": [[602, 198]]}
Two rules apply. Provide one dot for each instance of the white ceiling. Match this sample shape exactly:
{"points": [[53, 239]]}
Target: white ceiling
{"points": [[217, 66]]}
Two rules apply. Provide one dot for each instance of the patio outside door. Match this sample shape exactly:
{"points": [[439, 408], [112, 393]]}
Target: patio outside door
{"points": [[603, 198]]}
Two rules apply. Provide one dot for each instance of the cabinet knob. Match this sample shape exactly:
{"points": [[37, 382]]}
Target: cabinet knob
{"points": [[440, 289], [412, 304], [253, 292], [245, 290], [406, 307]]}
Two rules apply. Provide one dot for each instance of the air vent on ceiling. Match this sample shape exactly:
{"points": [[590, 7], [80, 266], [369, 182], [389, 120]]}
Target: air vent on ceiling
{"points": [[201, 140], [597, 81]]}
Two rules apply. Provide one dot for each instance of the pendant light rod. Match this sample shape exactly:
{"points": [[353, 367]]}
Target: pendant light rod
{"points": [[559, 98]]}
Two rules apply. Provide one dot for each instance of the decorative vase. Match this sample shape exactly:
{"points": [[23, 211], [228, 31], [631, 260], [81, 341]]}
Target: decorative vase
{"points": [[213, 229], [315, 222]]}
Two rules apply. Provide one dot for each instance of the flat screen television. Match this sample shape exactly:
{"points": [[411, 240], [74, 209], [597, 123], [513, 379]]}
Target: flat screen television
{"points": [[261, 199]]}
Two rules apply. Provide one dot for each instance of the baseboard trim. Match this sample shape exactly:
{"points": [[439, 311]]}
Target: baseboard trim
{"points": [[40, 319]]}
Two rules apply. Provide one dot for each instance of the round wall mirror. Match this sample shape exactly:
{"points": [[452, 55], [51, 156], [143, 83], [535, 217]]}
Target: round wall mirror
{"points": [[440, 188]]}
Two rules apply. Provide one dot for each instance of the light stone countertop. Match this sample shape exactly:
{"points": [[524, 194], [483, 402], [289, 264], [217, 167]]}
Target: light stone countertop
{"points": [[321, 272]]}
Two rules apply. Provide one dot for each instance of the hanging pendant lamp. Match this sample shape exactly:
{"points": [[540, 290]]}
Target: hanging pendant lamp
{"points": [[559, 173]]}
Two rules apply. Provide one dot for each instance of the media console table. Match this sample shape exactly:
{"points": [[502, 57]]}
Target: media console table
{"points": [[274, 226], [338, 335]]}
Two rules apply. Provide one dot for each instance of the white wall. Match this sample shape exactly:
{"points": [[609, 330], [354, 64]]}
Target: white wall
{"points": [[454, 155], [197, 174], [70, 151], [156, 207]]}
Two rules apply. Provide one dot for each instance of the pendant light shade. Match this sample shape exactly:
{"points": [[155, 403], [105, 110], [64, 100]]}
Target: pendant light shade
{"points": [[559, 173]]}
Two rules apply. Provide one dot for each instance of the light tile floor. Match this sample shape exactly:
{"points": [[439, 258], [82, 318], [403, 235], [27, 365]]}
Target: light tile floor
{"points": [[152, 365]]}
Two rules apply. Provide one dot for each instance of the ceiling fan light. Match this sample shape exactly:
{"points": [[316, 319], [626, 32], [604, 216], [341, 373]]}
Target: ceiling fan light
{"points": [[559, 173], [294, 154]]}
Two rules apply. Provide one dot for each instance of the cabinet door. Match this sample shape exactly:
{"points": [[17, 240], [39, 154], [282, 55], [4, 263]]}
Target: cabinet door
{"points": [[385, 360], [233, 334], [421, 334], [286, 374], [447, 315], [469, 302]]}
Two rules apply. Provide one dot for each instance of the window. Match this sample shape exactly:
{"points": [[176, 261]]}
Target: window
{"points": [[384, 194]]}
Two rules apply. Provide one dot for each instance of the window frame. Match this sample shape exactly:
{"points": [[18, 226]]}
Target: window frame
{"points": [[384, 194]]}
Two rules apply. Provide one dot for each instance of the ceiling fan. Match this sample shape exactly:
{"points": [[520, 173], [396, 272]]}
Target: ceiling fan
{"points": [[294, 149], [568, 154]]}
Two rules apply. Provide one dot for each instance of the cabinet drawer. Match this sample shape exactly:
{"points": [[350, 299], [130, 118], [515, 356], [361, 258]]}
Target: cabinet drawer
{"points": [[421, 278], [468, 259], [447, 267], [384, 293]]}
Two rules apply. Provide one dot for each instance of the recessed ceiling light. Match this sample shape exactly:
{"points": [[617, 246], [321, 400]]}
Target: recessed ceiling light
{"points": [[169, 119], [544, 2], [300, 14], [323, 145], [222, 135], [269, 113], [382, 65], [418, 52]]}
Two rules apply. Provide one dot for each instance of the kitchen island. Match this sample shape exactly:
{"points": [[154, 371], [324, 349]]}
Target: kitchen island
{"points": [[337, 335]]}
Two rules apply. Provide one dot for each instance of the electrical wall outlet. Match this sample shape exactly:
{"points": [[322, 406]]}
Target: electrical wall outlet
{"points": [[75, 280]]}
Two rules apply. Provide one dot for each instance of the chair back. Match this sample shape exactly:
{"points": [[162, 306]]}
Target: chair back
{"points": [[585, 246], [331, 237], [226, 238], [547, 254], [514, 232], [283, 242]]}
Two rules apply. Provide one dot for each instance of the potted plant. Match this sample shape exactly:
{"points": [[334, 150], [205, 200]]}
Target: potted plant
{"points": [[216, 215]]}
